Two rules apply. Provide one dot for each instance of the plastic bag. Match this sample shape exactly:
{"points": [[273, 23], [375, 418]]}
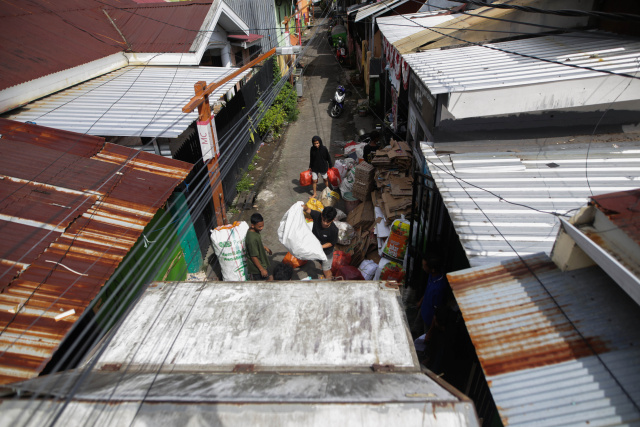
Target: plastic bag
{"points": [[293, 261], [392, 271], [315, 204], [396, 245], [334, 177], [340, 215], [297, 237], [228, 245], [305, 178], [339, 259], [356, 148], [368, 269], [347, 183], [349, 272], [346, 233], [328, 197]]}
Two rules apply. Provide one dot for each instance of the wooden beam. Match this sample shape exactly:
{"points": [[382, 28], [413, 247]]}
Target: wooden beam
{"points": [[198, 99]]}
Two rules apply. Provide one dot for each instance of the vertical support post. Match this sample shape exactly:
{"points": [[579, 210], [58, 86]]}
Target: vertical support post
{"points": [[210, 152]]}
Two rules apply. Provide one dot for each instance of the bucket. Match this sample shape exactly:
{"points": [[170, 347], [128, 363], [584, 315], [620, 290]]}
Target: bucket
{"points": [[350, 202]]}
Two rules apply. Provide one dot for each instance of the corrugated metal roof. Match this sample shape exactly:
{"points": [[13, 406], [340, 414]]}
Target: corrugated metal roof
{"points": [[500, 202], [41, 38], [556, 348], [253, 353], [283, 400], [72, 207], [260, 17], [162, 27], [379, 7], [397, 27], [477, 67], [132, 101], [275, 326]]}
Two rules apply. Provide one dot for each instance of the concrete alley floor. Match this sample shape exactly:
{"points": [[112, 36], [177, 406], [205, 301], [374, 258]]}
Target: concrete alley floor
{"points": [[280, 189]]}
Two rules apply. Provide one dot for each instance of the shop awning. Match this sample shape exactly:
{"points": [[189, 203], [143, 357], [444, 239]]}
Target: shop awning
{"points": [[132, 101]]}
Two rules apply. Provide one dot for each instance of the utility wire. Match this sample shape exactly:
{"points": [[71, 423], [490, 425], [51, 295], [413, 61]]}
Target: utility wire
{"points": [[626, 17]]}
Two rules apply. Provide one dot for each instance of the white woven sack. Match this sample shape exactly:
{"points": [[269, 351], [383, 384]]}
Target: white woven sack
{"points": [[228, 245], [296, 236]]}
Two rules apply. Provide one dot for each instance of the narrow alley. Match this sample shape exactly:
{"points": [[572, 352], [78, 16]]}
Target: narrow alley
{"points": [[280, 189]]}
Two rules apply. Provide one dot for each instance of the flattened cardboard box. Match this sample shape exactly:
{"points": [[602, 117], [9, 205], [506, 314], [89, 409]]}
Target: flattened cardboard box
{"points": [[362, 216]]}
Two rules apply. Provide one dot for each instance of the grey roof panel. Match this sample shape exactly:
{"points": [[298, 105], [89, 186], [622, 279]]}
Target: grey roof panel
{"points": [[501, 203], [132, 101]]}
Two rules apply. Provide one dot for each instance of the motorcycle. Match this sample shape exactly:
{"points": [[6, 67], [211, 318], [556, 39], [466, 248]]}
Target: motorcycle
{"points": [[337, 103], [341, 52]]}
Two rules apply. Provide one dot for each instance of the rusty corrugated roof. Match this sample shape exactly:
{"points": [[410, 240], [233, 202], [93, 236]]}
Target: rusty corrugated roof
{"points": [[71, 208], [623, 209], [39, 38], [556, 347]]}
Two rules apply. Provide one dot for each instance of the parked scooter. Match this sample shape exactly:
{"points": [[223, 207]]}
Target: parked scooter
{"points": [[341, 51], [337, 103]]}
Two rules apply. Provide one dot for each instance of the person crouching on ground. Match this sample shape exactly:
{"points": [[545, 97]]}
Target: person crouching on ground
{"points": [[326, 232], [258, 264], [319, 162]]}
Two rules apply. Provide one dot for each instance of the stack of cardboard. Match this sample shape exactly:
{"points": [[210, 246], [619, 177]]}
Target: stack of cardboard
{"points": [[363, 183], [397, 155]]}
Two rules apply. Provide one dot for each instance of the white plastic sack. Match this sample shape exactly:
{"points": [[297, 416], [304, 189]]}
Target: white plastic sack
{"points": [[343, 166], [296, 236], [368, 269], [346, 232], [347, 183], [340, 215], [358, 148], [228, 245]]}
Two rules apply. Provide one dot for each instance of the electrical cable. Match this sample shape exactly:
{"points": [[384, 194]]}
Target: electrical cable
{"points": [[105, 305], [558, 306], [625, 17]]}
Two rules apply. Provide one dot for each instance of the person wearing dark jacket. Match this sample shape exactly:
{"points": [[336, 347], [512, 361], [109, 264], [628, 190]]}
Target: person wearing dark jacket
{"points": [[319, 162]]}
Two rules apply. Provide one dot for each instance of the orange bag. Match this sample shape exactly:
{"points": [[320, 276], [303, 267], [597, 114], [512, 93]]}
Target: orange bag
{"points": [[305, 178], [293, 261], [334, 177]]}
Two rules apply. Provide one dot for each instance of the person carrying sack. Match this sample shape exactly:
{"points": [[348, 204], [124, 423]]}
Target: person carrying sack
{"points": [[319, 162]]}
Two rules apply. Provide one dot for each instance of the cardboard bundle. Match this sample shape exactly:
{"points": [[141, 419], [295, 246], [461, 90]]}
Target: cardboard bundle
{"points": [[363, 183], [362, 216], [396, 155]]}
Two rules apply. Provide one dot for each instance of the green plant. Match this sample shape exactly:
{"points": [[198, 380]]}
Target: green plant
{"points": [[244, 184], [233, 211], [256, 158], [251, 167], [284, 108]]}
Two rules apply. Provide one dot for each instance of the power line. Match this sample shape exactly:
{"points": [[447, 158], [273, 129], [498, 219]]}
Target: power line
{"points": [[626, 17], [488, 46]]}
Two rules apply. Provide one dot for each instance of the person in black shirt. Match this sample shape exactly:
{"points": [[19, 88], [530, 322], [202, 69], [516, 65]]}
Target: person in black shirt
{"points": [[369, 151], [326, 232], [319, 162]]}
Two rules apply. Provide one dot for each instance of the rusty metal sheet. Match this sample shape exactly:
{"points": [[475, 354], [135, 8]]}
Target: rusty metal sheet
{"points": [[67, 220], [145, 30], [42, 38], [554, 347], [622, 209]]}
